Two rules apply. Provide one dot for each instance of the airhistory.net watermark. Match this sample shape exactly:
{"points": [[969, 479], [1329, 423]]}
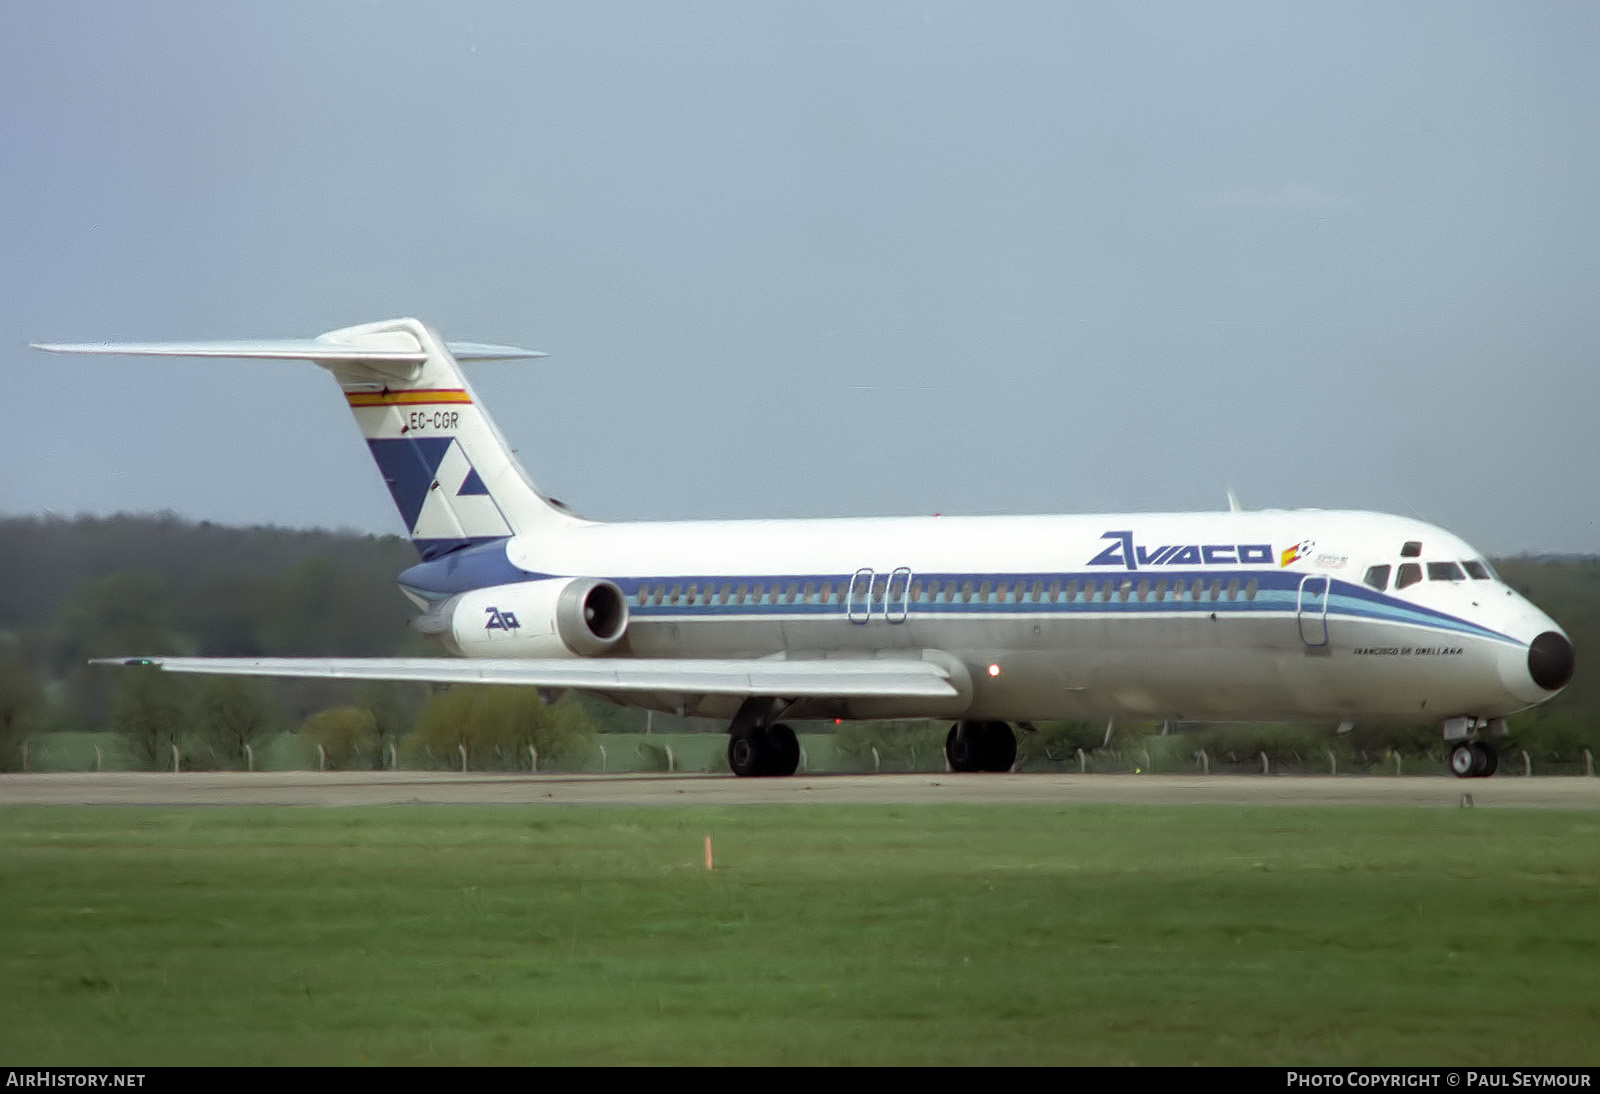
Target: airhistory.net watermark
{"points": [[44, 1077]]}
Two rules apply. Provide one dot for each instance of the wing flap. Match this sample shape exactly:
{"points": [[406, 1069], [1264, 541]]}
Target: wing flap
{"points": [[813, 679]]}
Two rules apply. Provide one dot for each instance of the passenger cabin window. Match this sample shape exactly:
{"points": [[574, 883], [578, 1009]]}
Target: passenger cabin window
{"points": [[1377, 577], [1410, 573], [1476, 570], [1412, 549], [1445, 571]]}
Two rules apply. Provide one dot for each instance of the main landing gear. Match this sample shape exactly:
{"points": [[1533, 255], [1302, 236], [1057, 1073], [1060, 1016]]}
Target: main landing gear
{"points": [[1473, 760], [763, 750], [980, 746], [759, 746]]}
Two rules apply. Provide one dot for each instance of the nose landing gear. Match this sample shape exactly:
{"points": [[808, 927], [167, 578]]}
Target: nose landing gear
{"points": [[1471, 757], [1473, 760]]}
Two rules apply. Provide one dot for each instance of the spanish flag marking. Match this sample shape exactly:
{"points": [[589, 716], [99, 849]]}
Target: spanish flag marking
{"points": [[1297, 552], [407, 398]]}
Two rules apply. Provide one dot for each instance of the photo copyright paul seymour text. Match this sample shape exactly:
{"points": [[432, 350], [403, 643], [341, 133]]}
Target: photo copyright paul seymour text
{"points": [[1465, 1078]]}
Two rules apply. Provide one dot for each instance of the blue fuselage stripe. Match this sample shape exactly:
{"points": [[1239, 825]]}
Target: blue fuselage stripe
{"points": [[1345, 602], [1115, 592]]}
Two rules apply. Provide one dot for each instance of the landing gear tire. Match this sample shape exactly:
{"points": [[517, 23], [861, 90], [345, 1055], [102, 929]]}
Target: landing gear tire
{"points": [[980, 746], [783, 750], [773, 750], [1491, 759], [1473, 760], [999, 747], [747, 752], [961, 747]]}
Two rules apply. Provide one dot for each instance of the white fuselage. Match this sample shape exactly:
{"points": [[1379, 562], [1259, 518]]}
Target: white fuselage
{"points": [[1193, 616]]}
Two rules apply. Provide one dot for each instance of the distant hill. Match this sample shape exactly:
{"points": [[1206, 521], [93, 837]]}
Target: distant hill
{"points": [[49, 561]]}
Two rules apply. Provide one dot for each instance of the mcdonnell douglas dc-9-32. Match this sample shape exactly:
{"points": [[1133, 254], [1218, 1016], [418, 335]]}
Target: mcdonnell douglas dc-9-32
{"points": [[1342, 618]]}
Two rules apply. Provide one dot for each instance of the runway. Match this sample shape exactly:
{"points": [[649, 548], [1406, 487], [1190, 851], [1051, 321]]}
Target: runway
{"points": [[350, 788]]}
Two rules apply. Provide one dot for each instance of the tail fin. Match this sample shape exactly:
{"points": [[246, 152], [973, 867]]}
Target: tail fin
{"points": [[449, 469]]}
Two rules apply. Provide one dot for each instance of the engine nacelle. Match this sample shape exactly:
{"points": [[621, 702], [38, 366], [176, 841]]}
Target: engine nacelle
{"points": [[558, 617]]}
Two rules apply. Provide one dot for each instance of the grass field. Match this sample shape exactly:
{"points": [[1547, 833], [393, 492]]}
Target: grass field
{"points": [[917, 934]]}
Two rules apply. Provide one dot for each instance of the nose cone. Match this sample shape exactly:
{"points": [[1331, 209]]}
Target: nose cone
{"points": [[1536, 672], [1550, 660]]}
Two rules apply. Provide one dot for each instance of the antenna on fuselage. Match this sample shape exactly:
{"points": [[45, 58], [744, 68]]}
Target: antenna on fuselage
{"points": [[1233, 502]]}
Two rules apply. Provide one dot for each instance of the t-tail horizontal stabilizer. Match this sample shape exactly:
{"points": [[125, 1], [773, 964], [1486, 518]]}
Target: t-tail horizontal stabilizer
{"points": [[449, 470], [290, 349]]}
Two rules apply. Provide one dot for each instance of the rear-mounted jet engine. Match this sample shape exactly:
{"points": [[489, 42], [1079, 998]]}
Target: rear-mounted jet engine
{"points": [[559, 617]]}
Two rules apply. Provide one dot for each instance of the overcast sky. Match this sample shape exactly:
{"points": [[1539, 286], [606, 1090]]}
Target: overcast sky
{"points": [[807, 259]]}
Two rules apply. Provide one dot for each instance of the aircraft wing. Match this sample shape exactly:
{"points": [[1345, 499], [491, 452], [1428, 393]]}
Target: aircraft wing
{"points": [[833, 678]]}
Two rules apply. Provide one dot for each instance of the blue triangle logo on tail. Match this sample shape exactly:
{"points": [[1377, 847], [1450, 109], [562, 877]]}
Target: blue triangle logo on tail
{"points": [[472, 485], [409, 466]]}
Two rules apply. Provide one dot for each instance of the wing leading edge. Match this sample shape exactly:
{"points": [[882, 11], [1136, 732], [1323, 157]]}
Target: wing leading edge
{"points": [[855, 678]]}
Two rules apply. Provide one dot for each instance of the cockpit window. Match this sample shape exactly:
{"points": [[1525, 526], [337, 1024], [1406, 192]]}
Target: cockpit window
{"points": [[1412, 549], [1378, 577], [1477, 570], [1410, 574], [1445, 571]]}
